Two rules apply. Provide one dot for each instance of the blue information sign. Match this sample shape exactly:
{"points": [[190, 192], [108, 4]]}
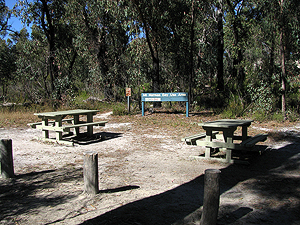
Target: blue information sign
{"points": [[166, 97]]}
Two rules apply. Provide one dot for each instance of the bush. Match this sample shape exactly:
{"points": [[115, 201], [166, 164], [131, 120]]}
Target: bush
{"points": [[278, 117], [261, 97], [292, 116], [120, 110], [234, 109]]}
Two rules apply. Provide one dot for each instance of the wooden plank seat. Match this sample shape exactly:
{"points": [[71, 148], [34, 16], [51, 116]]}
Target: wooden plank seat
{"points": [[33, 125], [244, 145], [250, 142], [191, 140], [68, 127]]}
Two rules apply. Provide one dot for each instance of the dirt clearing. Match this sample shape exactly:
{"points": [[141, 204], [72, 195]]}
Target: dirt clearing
{"points": [[146, 176]]}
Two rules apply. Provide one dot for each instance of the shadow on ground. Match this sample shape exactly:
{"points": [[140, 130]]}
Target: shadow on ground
{"points": [[17, 195], [182, 205], [273, 176], [83, 139]]}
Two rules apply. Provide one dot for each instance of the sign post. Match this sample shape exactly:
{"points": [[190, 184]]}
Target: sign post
{"points": [[128, 94], [165, 97]]}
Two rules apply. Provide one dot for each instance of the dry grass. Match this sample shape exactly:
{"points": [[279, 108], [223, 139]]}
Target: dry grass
{"points": [[16, 119], [170, 122]]}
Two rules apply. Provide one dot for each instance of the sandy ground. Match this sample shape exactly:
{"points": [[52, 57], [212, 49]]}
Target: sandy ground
{"points": [[146, 176]]}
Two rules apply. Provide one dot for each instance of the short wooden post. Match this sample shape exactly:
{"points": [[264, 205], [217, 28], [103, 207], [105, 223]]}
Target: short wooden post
{"points": [[90, 172], [6, 157], [211, 197]]}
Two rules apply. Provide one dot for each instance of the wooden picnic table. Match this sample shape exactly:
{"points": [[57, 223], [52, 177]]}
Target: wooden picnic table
{"points": [[227, 127], [58, 118]]}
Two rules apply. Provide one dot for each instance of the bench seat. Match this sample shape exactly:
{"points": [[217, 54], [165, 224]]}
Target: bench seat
{"points": [[246, 145], [33, 125], [68, 127], [99, 123], [191, 140], [250, 142]]}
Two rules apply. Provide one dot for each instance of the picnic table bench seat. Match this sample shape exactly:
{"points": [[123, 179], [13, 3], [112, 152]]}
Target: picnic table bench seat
{"points": [[82, 124], [191, 140], [68, 127], [251, 141], [33, 125]]}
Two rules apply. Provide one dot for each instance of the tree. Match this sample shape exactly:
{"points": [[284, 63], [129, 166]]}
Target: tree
{"points": [[101, 38], [7, 65], [220, 45], [47, 15], [283, 19]]}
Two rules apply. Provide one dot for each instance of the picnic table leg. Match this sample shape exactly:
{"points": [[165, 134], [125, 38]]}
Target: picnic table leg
{"points": [[45, 132], [244, 133], [228, 136], [76, 121], [208, 138], [58, 123], [89, 119]]}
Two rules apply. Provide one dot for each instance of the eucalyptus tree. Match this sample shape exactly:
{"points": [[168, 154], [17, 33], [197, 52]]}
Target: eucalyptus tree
{"points": [[288, 25], [47, 15], [7, 55], [4, 16], [278, 39], [238, 19], [7, 66], [153, 18], [101, 39], [31, 65], [172, 30]]}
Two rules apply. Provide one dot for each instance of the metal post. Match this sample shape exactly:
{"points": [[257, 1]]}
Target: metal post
{"points": [[187, 109], [128, 103], [143, 108], [6, 157]]}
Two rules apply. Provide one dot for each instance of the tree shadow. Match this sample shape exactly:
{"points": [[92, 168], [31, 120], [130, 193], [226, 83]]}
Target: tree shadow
{"points": [[17, 195], [183, 204]]}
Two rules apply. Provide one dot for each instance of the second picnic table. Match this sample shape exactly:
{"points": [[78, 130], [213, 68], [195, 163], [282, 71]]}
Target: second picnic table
{"points": [[228, 127], [58, 118]]}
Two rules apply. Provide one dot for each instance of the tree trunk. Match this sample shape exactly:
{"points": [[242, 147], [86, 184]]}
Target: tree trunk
{"points": [[49, 29], [154, 54], [220, 76], [282, 53], [191, 76]]}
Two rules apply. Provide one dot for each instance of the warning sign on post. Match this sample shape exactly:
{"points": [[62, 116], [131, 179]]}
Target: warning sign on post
{"points": [[128, 92]]}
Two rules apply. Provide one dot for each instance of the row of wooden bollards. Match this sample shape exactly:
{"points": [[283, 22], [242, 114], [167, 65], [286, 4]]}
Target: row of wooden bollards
{"points": [[91, 183]]}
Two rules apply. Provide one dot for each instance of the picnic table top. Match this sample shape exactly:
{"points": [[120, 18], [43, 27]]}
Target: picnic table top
{"points": [[67, 112], [226, 123]]}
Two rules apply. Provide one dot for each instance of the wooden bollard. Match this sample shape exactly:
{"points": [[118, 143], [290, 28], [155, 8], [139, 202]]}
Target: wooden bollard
{"points": [[6, 159], [211, 197], [90, 173]]}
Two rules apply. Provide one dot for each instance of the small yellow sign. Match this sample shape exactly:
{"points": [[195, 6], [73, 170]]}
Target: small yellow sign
{"points": [[128, 92]]}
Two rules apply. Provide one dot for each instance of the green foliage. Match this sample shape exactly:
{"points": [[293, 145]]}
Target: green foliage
{"points": [[88, 48], [7, 67], [292, 115], [234, 109], [260, 116], [120, 109], [278, 117], [261, 97]]}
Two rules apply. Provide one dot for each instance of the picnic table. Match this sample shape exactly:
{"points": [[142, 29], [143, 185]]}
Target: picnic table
{"points": [[55, 121], [228, 137]]}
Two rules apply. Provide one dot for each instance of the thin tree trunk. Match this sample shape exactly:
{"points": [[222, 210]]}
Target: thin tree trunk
{"points": [[191, 76], [220, 46], [282, 53]]}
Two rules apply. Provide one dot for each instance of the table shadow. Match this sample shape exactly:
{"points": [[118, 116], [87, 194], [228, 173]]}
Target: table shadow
{"points": [[83, 139]]}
